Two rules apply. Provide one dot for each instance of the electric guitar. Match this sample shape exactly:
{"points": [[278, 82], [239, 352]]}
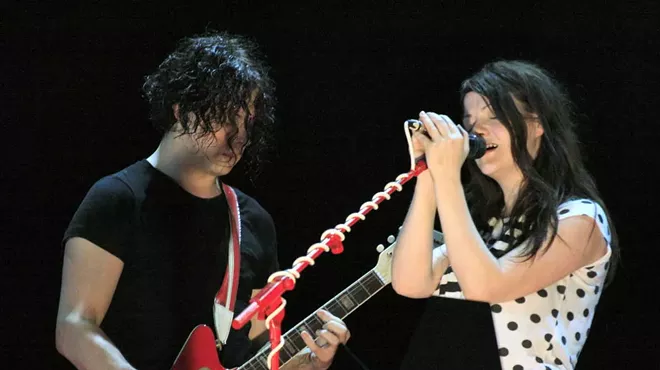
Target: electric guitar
{"points": [[199, 351]]}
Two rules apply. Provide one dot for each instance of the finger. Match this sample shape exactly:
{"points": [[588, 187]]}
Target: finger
{"points": [[463, 131], [338, 329], [421, 138], [466, 138], [329, 336], [332, 323], [309, 341], [452, 127], [324, 315], [443, 127], [335, 327], [430, 126]]}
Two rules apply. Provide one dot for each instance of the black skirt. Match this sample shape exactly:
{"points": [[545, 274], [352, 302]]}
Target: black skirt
{"points": [[453, 334]]}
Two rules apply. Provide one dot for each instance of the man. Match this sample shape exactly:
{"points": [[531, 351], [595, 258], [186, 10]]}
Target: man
{"points": [[147, 250]]}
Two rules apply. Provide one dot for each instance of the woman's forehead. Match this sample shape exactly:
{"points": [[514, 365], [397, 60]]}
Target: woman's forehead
{"points": [[474, 103]]}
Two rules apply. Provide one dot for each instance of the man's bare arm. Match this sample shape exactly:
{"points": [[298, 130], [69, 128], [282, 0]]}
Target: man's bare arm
{"points": [[89, 278]]}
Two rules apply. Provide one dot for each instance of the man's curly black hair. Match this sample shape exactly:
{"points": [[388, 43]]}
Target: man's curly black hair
{"points": [[213, 76]]}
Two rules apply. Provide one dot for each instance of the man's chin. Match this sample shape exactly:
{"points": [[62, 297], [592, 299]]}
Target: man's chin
{"points": [[221, 170], [223, 167]]}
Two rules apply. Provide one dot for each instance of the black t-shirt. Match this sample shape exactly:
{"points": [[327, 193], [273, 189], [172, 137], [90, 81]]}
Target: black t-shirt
{"points": [[174, 249]]}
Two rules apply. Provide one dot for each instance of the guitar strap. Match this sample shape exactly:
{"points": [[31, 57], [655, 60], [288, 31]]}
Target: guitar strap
{"points": [[223, 307]]}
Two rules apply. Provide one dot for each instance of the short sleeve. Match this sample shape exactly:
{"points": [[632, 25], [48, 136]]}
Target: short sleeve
{"points": [[104, 216], [586, 207], [259, 244]]}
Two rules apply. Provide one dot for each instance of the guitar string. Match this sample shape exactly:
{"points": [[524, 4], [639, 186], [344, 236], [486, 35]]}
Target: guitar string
{"points": [[369, 279], [333, 305]]}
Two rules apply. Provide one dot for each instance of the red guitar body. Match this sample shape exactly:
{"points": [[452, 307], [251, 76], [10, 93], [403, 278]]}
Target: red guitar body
{"points": [[199, 352]]}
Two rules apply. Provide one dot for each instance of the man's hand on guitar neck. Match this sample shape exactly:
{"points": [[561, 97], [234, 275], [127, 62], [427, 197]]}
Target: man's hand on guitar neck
{"points": [[319, 354]]}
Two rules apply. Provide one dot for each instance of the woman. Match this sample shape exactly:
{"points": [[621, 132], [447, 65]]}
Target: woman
{"points": [[529, 234]]}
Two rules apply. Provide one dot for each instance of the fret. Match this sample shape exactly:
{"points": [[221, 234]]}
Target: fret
{"points": [[373, 283], [263, 361], [309, 326], [254, 364], [285, 352], [347, 302], [290, 348], [314, 323], [360, 292], [335, 308], [297, 340]]}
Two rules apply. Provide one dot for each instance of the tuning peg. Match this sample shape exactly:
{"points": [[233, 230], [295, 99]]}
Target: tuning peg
{"points": [[391, 239], [380, 248]]}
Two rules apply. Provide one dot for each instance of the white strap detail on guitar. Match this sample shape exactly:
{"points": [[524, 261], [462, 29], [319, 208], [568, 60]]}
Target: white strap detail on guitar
{"points": [[225, 299]]}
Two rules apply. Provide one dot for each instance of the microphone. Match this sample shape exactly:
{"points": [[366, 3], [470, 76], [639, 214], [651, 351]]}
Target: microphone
{"points": [[477, 143]]}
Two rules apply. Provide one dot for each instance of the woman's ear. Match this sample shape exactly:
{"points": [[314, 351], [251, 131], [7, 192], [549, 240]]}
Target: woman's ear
{"points": [[535, 126], [175, 111]]}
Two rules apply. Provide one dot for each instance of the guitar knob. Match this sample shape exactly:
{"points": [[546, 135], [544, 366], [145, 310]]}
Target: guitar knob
{"points": [[380, 248], [391, 239]]}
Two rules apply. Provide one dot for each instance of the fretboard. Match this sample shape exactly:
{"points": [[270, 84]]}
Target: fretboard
{"points": [[341, 306]]}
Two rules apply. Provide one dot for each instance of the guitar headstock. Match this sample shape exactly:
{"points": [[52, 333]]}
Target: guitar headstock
{"points": [[384, 265]]}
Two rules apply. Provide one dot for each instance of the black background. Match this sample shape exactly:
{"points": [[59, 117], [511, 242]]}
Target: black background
{"points": [[348, 75]]}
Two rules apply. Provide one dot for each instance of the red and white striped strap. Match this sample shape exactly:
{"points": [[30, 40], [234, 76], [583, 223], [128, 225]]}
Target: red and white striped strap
{"points": [[225, 299]]}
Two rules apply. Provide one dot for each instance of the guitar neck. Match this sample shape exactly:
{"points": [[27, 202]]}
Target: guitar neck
{"points": [[341, 306]]}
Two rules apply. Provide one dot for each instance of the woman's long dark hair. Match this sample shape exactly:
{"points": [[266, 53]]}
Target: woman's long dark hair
{"points": [[213, 76], [556, 175]]}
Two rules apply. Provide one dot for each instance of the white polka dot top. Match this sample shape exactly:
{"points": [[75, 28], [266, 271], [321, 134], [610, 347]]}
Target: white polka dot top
{"points": [[546, 329]]}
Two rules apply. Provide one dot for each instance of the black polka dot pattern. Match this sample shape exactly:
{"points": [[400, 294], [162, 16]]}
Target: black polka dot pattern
{"points": [[518, 367], [586, 312], [580, 293], [563, 340], [569, 316], [503, 352], [558, 361], [577, 336], [539, 360], [526, 343], [564, 211], [561, 289], [548, 337], [520, 300], [535, 318], [555, 313], [543, 293], [592, 274], [512, 325]]}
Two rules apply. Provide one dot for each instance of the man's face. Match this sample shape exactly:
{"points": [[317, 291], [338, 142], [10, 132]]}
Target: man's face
{"points": [[212, 151]]}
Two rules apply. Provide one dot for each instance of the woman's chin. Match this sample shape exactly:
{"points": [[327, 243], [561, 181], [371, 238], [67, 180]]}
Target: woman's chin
{"points": [[488, 169]]}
